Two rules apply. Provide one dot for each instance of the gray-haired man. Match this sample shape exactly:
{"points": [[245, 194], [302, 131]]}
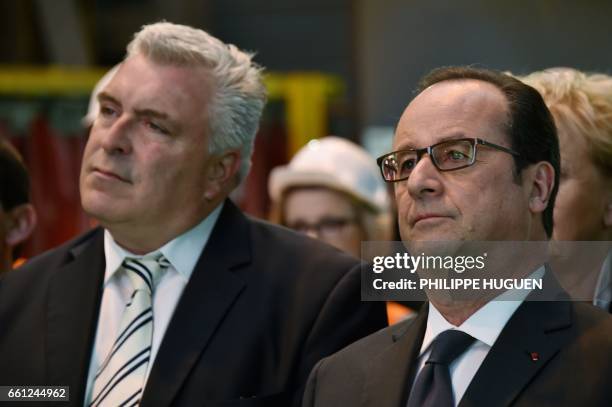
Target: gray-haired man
{"points": [[178, 299]]}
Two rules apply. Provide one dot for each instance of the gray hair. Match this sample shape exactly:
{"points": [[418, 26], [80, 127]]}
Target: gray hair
{"points": [[239, 94]]}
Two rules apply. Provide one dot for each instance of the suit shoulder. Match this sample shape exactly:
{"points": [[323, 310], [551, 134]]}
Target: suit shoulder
{"points": [[40, 267], [363, 350]]}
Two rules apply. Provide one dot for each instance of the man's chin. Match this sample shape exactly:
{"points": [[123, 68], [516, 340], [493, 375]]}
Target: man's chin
{"points": [[105, 214], [433, 235], [432, 242]]}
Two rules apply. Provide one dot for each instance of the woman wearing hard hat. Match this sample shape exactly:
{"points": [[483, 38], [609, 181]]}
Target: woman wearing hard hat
{"points": [[332, 190]]}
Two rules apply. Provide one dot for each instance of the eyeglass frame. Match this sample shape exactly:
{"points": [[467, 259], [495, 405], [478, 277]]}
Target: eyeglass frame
{"points": [[421, 151]]}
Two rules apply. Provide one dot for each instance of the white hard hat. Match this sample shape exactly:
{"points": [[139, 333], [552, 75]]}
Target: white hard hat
{"points": [[335, 163], [94, 106]]}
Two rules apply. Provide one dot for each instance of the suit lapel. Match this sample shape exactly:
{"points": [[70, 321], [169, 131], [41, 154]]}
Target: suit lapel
{"points": [[534, 335], [73, 301], [209, 295], [389, 376]]}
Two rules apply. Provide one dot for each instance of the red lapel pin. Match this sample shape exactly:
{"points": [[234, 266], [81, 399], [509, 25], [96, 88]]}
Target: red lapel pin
{"points": [[535, 356]]}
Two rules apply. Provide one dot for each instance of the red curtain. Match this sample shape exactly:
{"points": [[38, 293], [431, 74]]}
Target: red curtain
{"points": [[53, 161]]}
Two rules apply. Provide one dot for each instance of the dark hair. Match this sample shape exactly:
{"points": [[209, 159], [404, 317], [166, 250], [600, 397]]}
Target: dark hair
{"points": [[530, 125], [14, 179]]}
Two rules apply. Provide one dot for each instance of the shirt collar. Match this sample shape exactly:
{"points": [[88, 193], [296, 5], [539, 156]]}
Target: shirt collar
{"points": [[485, 324], [182, 252], [603, 290]]}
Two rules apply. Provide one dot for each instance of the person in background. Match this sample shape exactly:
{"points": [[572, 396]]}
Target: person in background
{"points": [[178, 298], [581, 104], [331, 190], [17, 214]]}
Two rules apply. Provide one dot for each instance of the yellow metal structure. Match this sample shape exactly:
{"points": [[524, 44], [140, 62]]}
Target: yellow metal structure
{"points": [[306, 96]]}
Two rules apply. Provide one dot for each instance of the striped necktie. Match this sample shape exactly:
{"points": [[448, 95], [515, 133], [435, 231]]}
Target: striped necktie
{"points": [[120, 379]]}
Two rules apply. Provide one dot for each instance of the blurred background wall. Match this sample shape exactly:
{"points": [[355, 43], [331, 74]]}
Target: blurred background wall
{"points": [[398, 41], [335, 67]]}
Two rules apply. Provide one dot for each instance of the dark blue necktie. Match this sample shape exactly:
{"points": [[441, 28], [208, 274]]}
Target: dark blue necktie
{"points": [[433, 387]]}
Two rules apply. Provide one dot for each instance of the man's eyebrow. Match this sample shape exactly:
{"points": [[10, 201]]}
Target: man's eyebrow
{"points": [[452, 136], [151, 113], [103, 96]]}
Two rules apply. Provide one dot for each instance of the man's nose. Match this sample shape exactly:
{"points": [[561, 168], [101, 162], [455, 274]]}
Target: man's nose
{"points": [[425, 178], [115, 138]]}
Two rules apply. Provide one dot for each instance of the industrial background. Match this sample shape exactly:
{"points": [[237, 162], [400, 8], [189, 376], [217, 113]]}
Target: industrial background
{"points": [[333, 67]]}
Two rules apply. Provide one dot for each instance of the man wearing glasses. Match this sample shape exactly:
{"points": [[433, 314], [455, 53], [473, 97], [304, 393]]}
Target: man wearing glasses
{"points": [[476, 158]]}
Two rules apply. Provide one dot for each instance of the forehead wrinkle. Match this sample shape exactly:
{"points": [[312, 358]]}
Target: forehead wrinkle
{"points": [[454, 109], [193, 80]]}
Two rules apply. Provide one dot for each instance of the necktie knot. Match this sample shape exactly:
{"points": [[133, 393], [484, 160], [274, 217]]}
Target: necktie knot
{"points": [[448, 346], [433, 386], [145, 272]]}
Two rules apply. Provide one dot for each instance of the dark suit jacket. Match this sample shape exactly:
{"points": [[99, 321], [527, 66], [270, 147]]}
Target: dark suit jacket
{"points": [[263, 305], [573, 343]]}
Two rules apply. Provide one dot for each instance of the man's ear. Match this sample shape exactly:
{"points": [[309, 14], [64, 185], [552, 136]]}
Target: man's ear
{"points": [[22, 220], [221, 173], [542, 179]]}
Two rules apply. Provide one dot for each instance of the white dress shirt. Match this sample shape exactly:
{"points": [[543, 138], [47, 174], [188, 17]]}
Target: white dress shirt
{"points": [[484, 325], [183, 253]]}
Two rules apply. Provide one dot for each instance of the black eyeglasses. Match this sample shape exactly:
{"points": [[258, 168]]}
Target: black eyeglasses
{"points": [[447, 155]]}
